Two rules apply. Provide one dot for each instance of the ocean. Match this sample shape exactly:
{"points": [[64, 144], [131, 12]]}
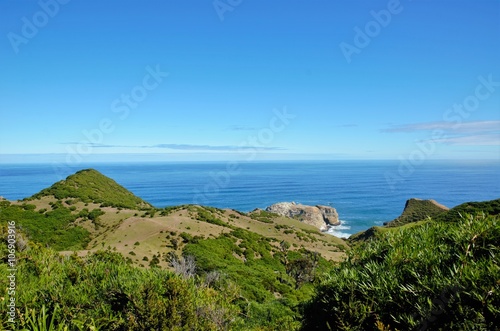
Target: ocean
{"points": [[365, 193]]}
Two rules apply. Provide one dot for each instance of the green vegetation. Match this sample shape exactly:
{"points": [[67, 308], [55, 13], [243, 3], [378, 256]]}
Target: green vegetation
{"points": [[263, 216], [436, 276], [206, 214], [53, 228], [417, 210], [205, 268], [488, 207], [103, 292], [420, 211], [272, 278], [377, 231], [169, 210], [91, 186]]}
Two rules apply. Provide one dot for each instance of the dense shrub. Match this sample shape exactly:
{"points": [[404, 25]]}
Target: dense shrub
{"points": [[263, 216], [54, 228], [270, 292], [105, 292], [488, 207], [437, 276], [206, 214]]}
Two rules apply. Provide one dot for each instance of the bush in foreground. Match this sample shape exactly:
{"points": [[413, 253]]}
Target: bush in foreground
{"points": [[437, 276], [104, 292]]}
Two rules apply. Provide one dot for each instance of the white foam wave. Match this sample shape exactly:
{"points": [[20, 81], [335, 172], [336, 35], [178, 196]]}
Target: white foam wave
{"points": [[337, 230], [340, 227], [339, 234]]}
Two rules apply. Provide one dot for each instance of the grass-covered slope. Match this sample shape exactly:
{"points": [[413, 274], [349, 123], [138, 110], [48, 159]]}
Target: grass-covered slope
{"points": [[251, 274], [54, 228], [436, 276], [66, 216], [376, 231], [417, 210], [491, 207], [202, 268], [89, 185], [271, 261], [142, 235]]}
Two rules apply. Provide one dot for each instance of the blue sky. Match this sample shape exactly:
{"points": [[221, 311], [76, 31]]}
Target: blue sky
{"points": [[215, 80]]}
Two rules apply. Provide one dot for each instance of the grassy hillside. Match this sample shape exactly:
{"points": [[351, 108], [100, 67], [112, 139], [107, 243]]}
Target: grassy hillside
{"points": [[55, 228], [436, 276], [143, 236], [86, 212], [270, 263], [491, 207], [273, 261], [417, 210], [91, 186], [377, 231], [124, 265]]}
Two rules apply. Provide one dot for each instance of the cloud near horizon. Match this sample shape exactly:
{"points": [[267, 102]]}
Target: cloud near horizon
{"points": [[472, 140], [185, 147], [241, 128], [474, 133], [464, 127]]}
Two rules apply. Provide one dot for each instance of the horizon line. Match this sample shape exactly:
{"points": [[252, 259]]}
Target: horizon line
{"points": [[61, 158]]}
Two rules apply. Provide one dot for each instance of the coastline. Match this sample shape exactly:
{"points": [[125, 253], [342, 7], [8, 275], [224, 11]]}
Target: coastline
{"points": [[356, 189]]}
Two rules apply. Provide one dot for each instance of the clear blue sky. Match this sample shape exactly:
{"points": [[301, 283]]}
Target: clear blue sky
{"points": [[355, 79]]}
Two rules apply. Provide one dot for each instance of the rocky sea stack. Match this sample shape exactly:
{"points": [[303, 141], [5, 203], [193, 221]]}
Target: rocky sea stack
{"points": [[319, 216]]}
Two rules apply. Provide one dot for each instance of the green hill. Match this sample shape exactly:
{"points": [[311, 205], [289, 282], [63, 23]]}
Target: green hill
{"points": [[90, 185], [203, 268], [417, 210], [268, 263], [491, 207]]}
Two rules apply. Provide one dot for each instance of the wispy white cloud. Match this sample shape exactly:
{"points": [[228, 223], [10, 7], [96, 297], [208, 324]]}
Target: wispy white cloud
{"points": [[187, 147], [345, 126], [241, 128], [465, 127], [474, 133], [472, 140]]}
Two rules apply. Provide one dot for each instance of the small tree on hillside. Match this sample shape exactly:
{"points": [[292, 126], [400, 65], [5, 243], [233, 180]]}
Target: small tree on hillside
{"points": [[301, 270], [175, 243], [284, 247]]}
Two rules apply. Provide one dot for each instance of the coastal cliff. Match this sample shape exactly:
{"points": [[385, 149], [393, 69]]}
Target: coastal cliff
{"points": [[318, 216], [417, 210]]}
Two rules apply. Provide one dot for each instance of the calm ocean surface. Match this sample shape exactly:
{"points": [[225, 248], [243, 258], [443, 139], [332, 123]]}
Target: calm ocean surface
{"points": [[359, 190]]}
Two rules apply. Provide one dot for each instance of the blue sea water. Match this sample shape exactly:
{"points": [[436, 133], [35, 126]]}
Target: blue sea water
{"points": [[365, 193]]}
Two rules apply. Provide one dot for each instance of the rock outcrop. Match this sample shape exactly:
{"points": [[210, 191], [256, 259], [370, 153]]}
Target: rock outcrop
{"points": [[318, 216]]}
